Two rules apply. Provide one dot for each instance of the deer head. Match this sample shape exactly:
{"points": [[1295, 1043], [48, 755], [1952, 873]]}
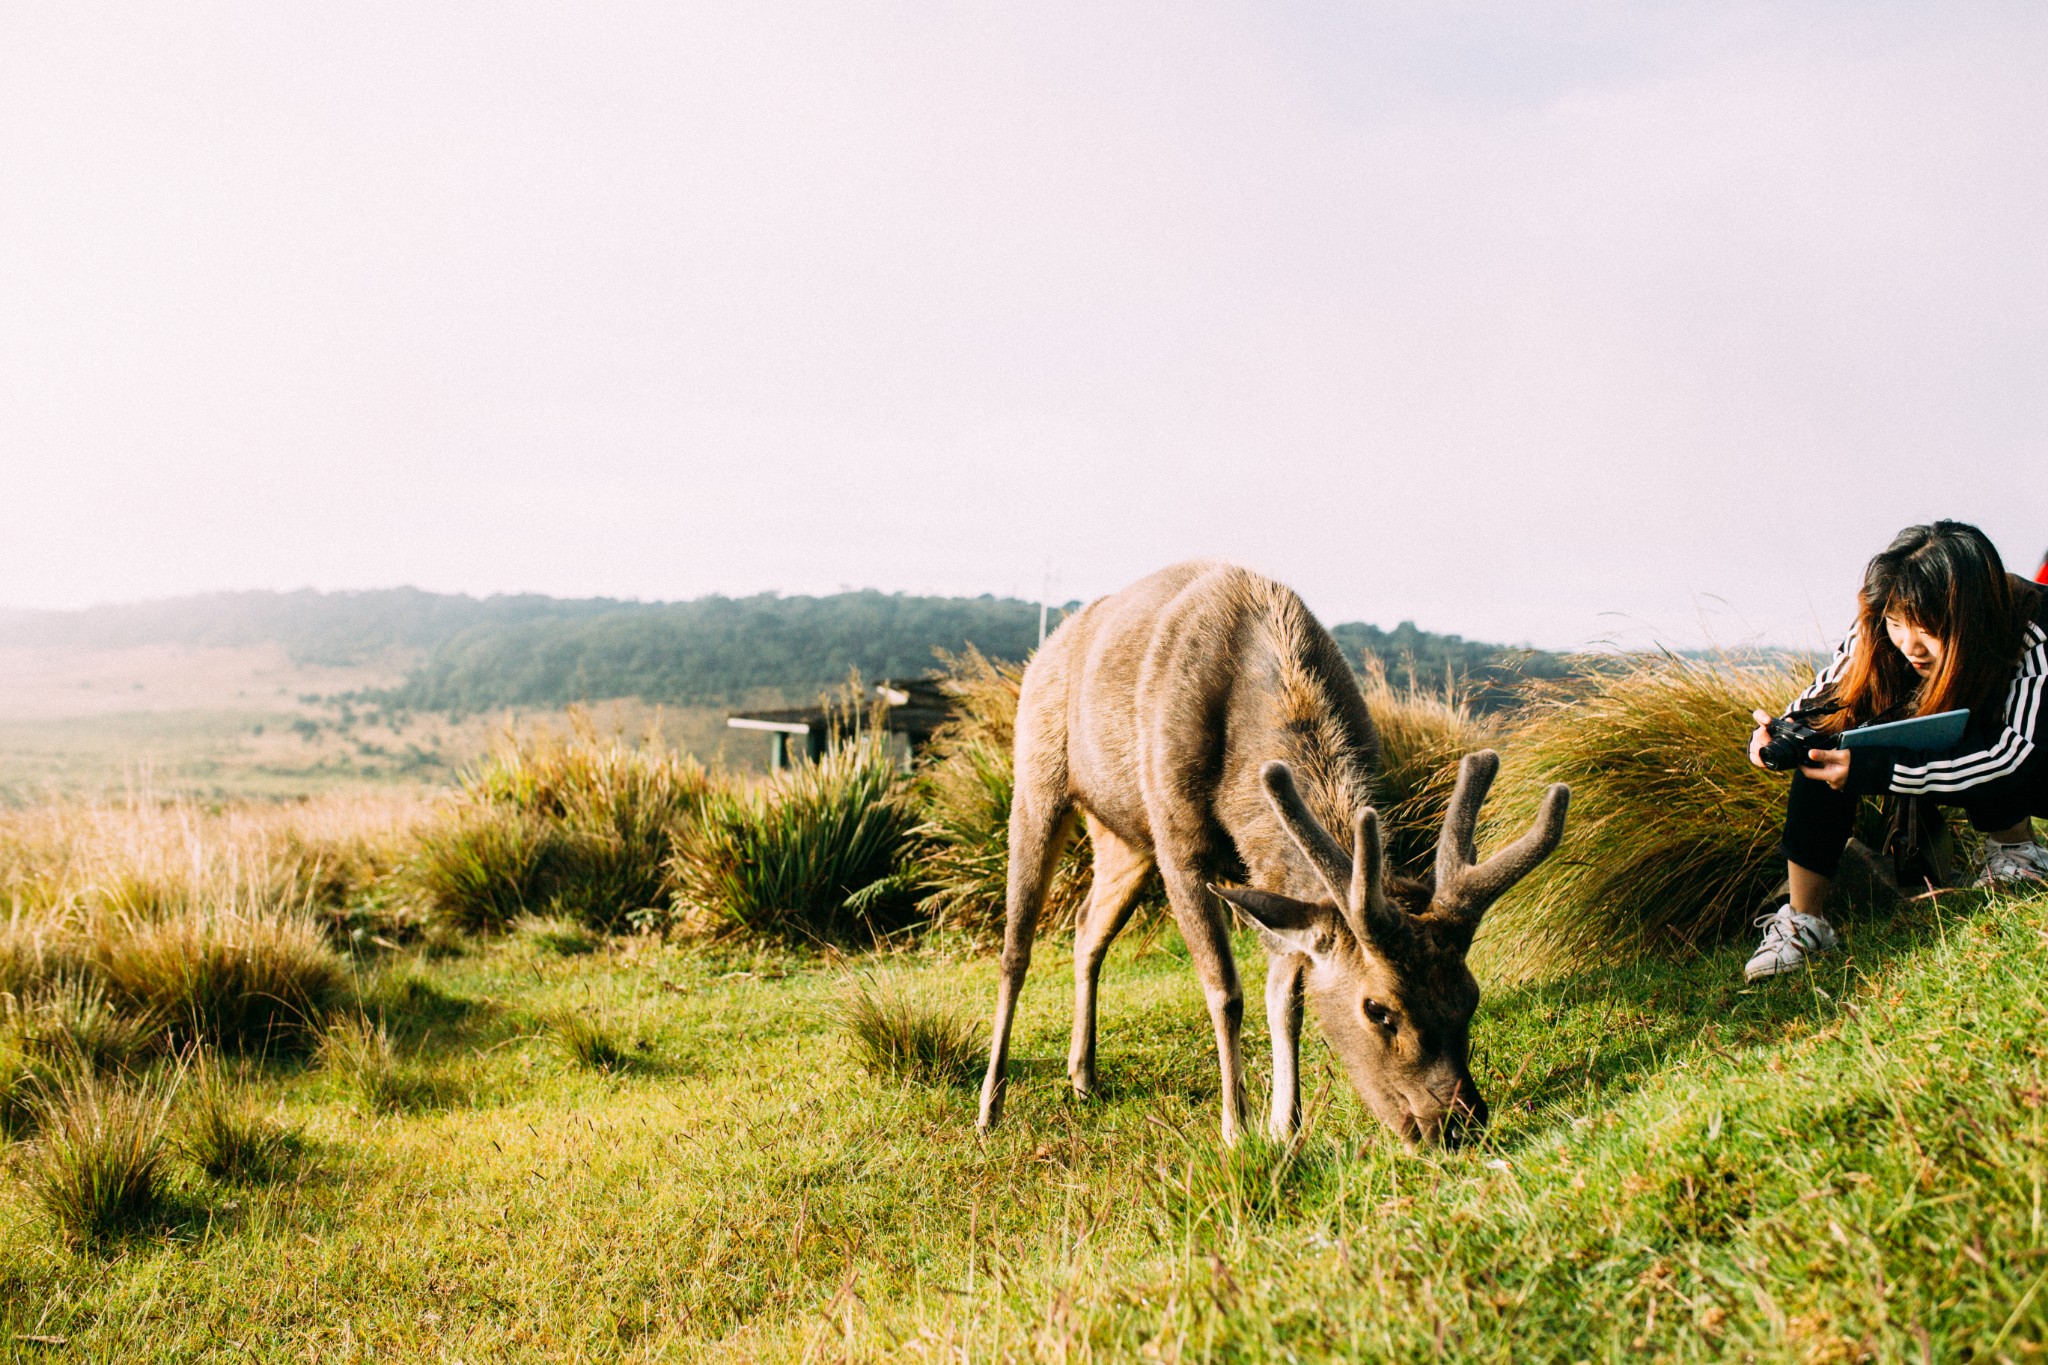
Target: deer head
{"points": [[1386, 972]]}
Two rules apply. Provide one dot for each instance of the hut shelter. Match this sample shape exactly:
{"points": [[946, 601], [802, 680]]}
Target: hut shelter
{"points": [[914, 708]]}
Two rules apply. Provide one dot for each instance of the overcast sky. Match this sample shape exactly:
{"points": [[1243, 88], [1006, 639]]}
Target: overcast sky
{"points": [[1547, 323]]}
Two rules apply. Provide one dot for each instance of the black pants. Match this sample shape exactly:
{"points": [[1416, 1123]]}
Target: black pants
{"points": [[1819, 819]]}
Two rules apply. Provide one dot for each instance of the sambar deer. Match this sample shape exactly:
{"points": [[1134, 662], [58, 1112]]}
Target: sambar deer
{"points": [[1202, 721]]}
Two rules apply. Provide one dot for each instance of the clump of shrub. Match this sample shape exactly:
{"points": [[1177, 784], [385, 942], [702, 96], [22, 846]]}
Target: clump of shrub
{"points": [[97, 1166], [224, 1136], [255, 981], [1672, 838], [71, 1022], [890, 1036], [964, 785], [1422, 736], [577, 826], [26, 1078], [361, 1058], [584, 1040], [819, 850]]}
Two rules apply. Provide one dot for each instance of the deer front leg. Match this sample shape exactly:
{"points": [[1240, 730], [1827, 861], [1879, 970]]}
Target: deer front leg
{"points": [[1283, 1020], [1207, 934]]}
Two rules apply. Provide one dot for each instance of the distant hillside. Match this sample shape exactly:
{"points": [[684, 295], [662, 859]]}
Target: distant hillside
{"points": [[322, 628], [713, 649], [1486, 675], [476, 654]]}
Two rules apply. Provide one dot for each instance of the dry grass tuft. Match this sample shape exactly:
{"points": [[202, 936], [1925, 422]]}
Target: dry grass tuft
{"points": [[97, 1164], [583, 1040], [964, 784], [250, 981], [70, 1022], [579, 825], [1422, 737], [1672, 838], [361, 1058], [224, 1136], [890, 1036]]}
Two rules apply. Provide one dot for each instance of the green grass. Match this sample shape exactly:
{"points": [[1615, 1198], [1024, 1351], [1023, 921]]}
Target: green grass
{"points": [[1816, 1169]]}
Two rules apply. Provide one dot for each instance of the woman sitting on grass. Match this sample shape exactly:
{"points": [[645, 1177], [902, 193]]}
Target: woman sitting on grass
{"points": [[1941, 627]]}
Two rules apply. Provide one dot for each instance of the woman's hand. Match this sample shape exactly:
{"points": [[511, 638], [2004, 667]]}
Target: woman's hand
{"points": [[1827, 765], [1760, 738]]}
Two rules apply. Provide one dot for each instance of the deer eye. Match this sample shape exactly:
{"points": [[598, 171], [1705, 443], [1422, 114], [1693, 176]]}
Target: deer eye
{"points": [[1381, 1015]]}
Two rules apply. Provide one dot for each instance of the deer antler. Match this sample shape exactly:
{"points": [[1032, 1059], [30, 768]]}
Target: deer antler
{"points": [[1356, 881], [1464, 885]]}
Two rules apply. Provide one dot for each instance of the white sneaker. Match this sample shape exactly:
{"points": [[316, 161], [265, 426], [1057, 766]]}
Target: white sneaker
{"points": [[1789, 939], [2014, 865]]}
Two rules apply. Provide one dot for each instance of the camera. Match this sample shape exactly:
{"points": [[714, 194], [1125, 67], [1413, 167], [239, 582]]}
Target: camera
{"points": [[1790, 738]]}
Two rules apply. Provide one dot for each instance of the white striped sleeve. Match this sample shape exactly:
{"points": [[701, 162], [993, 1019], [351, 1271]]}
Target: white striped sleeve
{"points": [[1826, 677], [2012, 747]]}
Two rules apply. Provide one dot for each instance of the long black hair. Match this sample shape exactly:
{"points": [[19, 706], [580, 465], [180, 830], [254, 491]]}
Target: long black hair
{"points": [[1948, 580]]}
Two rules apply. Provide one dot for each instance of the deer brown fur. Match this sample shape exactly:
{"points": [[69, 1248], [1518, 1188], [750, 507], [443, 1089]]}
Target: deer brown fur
{"points": [[1203, 722]]}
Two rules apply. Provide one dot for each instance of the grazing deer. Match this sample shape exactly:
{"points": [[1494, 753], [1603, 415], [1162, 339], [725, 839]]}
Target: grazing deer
{"points": [[1203, 722]]}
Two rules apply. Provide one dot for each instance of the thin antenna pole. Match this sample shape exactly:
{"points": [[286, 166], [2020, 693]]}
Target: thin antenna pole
{"points": [[1044, 593]]}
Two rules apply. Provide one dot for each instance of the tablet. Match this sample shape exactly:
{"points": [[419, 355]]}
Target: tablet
{"points": [[1921, 733]]}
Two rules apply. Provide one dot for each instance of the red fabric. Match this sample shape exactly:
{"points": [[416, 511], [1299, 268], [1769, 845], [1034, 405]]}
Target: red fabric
{"points": [[2042, 576]]}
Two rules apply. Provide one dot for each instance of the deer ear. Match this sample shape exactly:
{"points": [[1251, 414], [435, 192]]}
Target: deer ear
{"points": [[1284, 924]]}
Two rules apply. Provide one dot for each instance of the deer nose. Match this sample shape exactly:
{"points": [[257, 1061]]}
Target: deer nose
{"points": [[1456, 1114], [1465, 1117]]}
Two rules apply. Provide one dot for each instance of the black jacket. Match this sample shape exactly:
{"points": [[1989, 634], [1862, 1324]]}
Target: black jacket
{"points": [[2004, 749]]}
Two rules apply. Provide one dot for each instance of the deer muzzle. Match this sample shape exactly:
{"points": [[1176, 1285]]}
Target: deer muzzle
{"points": [[1448, 1116]]}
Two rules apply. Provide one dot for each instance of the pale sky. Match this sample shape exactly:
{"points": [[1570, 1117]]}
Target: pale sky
{"points": [[1548, 323]]}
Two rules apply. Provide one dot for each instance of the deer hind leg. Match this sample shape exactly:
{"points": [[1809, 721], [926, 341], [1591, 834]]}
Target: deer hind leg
{"points": [[1207, 933], [1119, 874], [1039, 825]]}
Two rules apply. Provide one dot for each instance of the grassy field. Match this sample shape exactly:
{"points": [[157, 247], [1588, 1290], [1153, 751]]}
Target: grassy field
{"points": [[315, 1081], [1840, 1167], [225, 724]]}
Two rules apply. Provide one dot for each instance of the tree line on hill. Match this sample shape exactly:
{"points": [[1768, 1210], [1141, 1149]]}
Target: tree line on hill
{"points": [[477, 654]]}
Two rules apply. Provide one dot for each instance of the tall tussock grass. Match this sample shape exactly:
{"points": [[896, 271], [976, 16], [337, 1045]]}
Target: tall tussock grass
{"points": [[97, 1165], [964, 785], [224, 1136], [1672, 839], [70, 1022], [147, 860], [1422, 734], [252, 980], [891, 1036], [819, 850], [364, 1062], [577, 825], [205, 924]]}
